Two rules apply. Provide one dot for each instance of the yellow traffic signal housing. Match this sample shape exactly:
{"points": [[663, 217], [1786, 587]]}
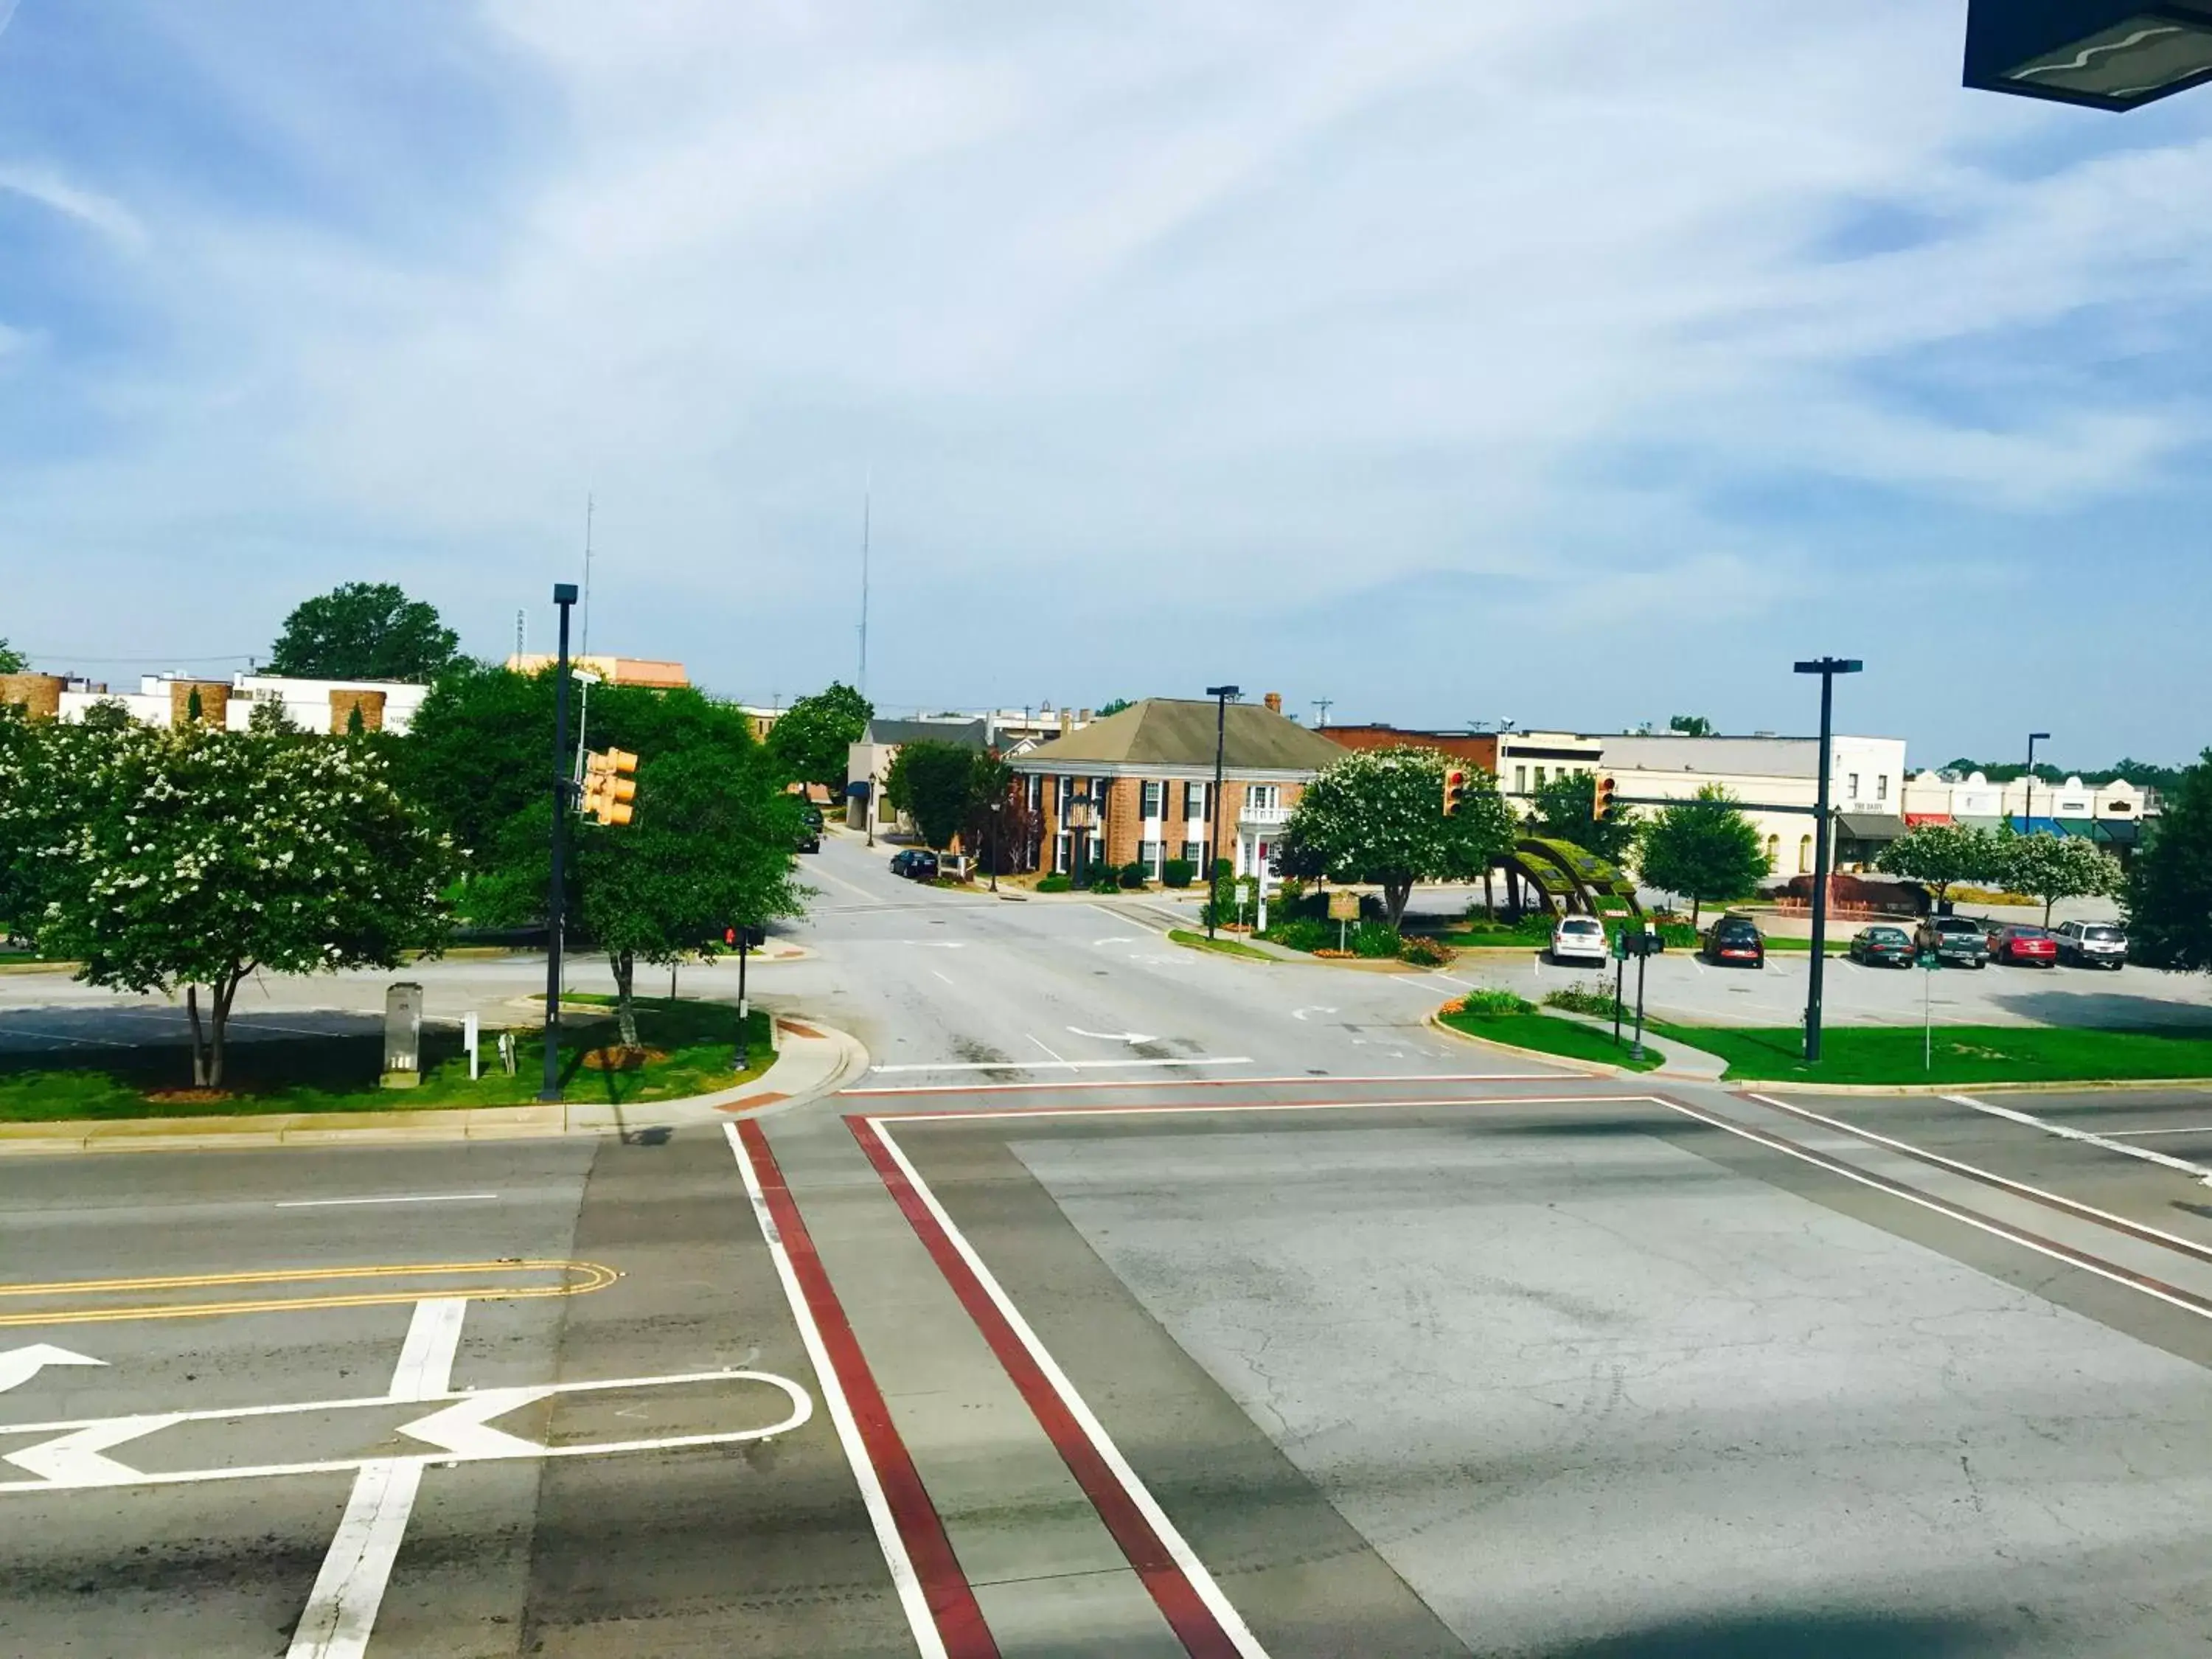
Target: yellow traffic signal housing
{"points": [[1455, 790], [608, 787], [1601, 798]]}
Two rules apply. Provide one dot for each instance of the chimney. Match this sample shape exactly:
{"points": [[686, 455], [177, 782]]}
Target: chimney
{"points": [[1067, 722], [1274, 702], [1083, 717]]}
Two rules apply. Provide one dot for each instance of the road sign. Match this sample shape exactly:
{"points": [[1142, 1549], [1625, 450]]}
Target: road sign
{"points": [[1343, 907]]}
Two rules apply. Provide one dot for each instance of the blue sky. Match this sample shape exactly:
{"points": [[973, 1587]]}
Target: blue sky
{"points": [[1526, 359]]}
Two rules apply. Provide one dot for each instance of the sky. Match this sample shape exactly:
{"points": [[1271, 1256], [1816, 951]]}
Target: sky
{"points": [[1563, 361]]}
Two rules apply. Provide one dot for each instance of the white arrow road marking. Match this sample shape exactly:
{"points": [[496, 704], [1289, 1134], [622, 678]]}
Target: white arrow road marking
{"points": [[76, 1460], [1300, 1014], [19, 1365], [460, 1428], [1114, 939], [1113, 1036]]}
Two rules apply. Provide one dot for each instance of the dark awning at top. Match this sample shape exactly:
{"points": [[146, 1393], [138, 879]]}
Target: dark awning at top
{"points": [[1870, 826]]}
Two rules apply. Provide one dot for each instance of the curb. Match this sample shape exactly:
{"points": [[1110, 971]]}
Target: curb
{"points": [[2044, 1086], [834, 1058], [1586, 1068]]}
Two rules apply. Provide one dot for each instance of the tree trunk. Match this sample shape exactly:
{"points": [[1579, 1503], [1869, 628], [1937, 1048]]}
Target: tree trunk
{"points": [[1396, 896], [625, 967], [199, 1046], [225, 992], [1696, 905], [1489, 895]]}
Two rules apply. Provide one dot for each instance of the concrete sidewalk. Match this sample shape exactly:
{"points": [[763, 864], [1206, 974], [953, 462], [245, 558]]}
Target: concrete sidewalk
{"points": [[812, 1061]]}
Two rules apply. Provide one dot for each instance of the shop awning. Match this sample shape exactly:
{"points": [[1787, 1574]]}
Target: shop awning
{"points": [[1870, 826], [1915, 820]]}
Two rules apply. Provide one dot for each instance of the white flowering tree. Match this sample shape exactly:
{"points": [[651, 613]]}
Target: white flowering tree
{"points": [[168, 860]]}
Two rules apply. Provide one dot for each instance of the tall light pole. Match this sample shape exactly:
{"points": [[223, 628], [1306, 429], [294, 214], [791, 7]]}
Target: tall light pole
{"points": [[1827, 668], [1221, 694], [2027, 806], [997, 806], [564, 596]]}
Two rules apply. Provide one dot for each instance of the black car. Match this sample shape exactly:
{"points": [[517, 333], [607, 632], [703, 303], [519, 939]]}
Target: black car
{"points": [[1893, 946], [915, 864], [1736, 941], [810, 831]]}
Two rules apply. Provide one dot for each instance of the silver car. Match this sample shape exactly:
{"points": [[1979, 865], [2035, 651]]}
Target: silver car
{"points": [[2092, 944]]}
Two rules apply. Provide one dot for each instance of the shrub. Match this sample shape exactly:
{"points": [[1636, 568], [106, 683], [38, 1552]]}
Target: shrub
{"points": [[1303, 934], [1055, 884], [1178, 872], [1426, 952], [1377, 941], [1489, 1005], [1223, 870], [1583, 1000], [1134, 875], [1103, 878]]}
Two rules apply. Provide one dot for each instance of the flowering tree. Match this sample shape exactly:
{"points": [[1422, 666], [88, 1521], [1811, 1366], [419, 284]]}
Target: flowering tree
{"points": [[177, 860], [2053, 867], [1378, 815], [1941, 854]]}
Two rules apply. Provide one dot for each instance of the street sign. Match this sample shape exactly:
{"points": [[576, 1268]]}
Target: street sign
{"points": [[1343, 907]]}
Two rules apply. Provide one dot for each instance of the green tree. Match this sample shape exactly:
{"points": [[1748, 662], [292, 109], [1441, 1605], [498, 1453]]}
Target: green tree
{"points": [[2053, 867], [810, 739], [1690, 725], [1704, 849], [1941, 856], [1377, 816], [1111, 705], [192, 858], [364, 631], [712, 844], [12, 661], [935, 785], [2169, 886], [1563, 813]]}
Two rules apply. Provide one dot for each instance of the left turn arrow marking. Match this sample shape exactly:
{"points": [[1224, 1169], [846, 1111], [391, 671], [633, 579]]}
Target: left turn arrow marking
{"points": [[19, 1365]]}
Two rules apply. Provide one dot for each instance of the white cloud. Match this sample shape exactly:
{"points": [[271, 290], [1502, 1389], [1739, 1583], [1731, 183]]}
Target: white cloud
{"points": [[50, 189]]}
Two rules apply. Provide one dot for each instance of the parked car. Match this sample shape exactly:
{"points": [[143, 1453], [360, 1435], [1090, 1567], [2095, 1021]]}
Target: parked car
{"points": [[1734, 939], [2017, 943], [1893, 946], [915, 864], [1954, 939], [1579, 939], [2092, 944]]}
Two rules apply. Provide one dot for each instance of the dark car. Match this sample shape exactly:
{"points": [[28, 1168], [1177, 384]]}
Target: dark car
{"points": [[915, 864], [1893, 946], [1735, 940], [1955, 938], [2016, 943], [2092, 944], [810, 831]]}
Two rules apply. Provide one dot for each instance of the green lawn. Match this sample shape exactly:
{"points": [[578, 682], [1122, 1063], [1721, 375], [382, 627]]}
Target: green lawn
{"points": [[696, 1041], [1227, 947], [1804, 946], [1565, 1037], [1963, 1054]]}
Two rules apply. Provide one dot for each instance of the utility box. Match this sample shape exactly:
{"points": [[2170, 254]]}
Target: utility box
{"points": [[403, 1035]]}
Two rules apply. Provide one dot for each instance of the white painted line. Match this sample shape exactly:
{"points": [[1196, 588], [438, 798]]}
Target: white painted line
{"points": [[919, 1618], [1047, 1064], [1230, 1107], [2132, 1134], [425, 1370], [1324, 1081], [2057, 1200], [1186, 1559], [2197, 1171], [1050, 1053], [946, 978], [1953, 1211], [395, 1198], [341, 1609]]}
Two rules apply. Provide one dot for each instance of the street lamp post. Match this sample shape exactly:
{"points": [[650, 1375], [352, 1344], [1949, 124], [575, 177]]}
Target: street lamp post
{"points": [[1221, 694], [996, 807], [1827, 668], [564, 596], [2027, 806]]}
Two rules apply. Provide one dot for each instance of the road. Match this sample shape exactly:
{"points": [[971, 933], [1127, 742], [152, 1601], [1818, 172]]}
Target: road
{"points": [[1140, 1302]]}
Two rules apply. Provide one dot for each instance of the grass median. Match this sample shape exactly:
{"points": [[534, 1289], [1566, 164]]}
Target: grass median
{"points": [[1227, 947], [1547, 1034], [688, 1048], [1875, 1055]]}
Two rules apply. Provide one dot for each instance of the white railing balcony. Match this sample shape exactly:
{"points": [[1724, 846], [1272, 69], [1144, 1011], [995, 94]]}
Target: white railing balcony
{"points": [[1263, 817]]}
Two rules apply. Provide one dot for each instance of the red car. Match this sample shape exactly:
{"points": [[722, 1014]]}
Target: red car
{"points": [[2034, 946]]}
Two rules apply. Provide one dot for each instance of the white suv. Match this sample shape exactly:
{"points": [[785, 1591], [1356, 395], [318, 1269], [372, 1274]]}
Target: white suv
{"points": [[1579, 939]]}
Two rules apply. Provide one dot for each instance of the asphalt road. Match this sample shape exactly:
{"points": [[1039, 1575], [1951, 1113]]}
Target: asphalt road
{"points": [[1140, 1302]]}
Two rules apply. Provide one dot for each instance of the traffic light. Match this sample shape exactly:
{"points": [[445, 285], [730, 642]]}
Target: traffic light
{"points": [[1602, 807], [609, 788], [1454, 791]]}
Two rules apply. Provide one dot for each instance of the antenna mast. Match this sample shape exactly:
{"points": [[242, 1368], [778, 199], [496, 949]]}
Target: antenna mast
{"points": [[519, 616], [1321, 705], [868, 494], [585, 649]]}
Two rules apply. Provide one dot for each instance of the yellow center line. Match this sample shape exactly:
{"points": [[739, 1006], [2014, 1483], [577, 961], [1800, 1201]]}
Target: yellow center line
{"points": [[581, 1278]]}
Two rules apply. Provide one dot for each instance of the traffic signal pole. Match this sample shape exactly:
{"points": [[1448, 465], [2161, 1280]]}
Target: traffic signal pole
{"points": [[1827, 668], [564, 596]]}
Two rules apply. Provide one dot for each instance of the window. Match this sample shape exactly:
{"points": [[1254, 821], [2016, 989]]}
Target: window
{"points": [[1155, 792], [1263, 797], [1063, 793], [1035, 792], [1540, 777], [1148, 855], [1193, 803], [1805, 855], [1773, 852], [1520, 780], [1854, 790], [1060, 843], [1193, 852], [1881, 786]]}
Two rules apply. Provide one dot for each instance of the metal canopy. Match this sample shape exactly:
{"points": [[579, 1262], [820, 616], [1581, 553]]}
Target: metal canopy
{"points": [[2104, 54]]}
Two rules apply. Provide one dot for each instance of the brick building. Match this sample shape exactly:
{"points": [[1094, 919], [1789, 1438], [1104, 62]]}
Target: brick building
{"points": [[1135, 786]]}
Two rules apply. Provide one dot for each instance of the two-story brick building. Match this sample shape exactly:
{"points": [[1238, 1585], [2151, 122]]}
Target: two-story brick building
{"points": [[1136, 787]]}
